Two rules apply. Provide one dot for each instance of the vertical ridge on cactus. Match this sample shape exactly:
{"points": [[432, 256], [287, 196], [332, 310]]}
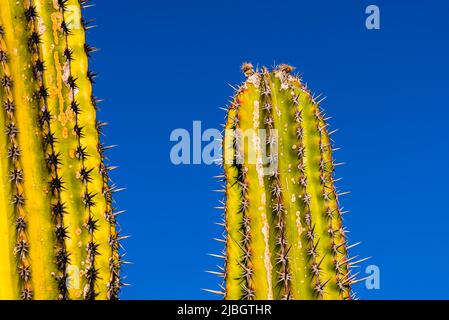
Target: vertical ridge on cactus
{"points": [[284, 237], [58, 235]]}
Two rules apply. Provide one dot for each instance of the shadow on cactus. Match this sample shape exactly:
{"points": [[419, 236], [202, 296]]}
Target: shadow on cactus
{"points": [[58, 237], [284, 237]]}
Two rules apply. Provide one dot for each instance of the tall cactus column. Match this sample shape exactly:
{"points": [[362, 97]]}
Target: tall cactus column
{"points": [[58, 236], [284, 234]]}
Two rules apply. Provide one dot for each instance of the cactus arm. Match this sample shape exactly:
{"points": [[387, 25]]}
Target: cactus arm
{"points": [[287, 218]]}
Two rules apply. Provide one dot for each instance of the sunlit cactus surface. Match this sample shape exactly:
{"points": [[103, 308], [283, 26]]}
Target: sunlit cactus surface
{"points": [[58, 234], [284, 237]]}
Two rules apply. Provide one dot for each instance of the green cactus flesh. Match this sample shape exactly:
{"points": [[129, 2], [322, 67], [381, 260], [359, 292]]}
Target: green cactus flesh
{"points": [[284, 235], [58, 236]]}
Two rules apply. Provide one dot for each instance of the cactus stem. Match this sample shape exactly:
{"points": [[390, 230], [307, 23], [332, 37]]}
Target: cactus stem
{"points": [[57, 192], [283, 229]]}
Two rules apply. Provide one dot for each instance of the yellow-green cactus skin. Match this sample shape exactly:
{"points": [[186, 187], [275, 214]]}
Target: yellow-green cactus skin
{"points": [[284, 237], [58, 237]]}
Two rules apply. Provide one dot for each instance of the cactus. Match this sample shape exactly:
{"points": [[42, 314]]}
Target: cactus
{"points": [[58, 237], [283, 234]]}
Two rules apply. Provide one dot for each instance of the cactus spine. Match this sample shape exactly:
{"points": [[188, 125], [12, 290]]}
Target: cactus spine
{"points": [[58, 236], [284, 235]]}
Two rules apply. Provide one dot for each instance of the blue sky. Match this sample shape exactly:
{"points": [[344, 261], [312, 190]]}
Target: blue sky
{"points": [[164, 64]]}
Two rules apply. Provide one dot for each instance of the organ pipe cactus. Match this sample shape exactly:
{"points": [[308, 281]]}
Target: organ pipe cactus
{"points": [[283, 227], [58, 236]]}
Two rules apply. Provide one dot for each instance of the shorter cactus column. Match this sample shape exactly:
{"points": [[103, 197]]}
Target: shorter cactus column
{"points": [[284, 234]]}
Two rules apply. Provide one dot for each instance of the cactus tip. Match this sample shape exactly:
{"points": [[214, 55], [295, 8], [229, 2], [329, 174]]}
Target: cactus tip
{"points": [[247, 69], [286, 68]]}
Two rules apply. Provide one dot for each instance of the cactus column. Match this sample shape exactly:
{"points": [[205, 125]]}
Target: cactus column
{"points": [[58, 235], [284, 234]]}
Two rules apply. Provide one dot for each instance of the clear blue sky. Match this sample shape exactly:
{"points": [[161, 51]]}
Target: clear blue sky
{"points": [[164, 64]]}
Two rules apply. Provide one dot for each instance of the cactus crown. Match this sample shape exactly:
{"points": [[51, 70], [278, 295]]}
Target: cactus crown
{"points": [[284, 237], [58, 237]]}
